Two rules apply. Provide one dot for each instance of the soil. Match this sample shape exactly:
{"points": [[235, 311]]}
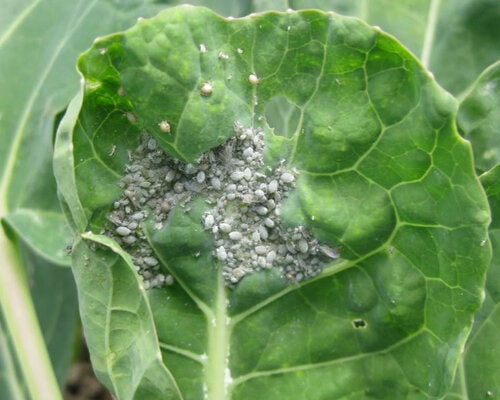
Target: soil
{"points": [[81, 383]]}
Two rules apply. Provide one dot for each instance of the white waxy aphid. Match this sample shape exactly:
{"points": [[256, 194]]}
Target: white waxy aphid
{"points": [[216, 183], [248, 152], [203, 48], [200, 177], [263, 232], [208, 221], [247, 174], [123, 231], [151, 261], [272, 187], [169, 280], [206, 89], [138, 216], [164, 126], [133, 225], [170, 176], [239, 51], [237, 176], [129, 239], [303, 246], [235, 235], [253, 79], [261, 249], [287, 177], [225, 227], [220, 253], [255, 236], [261, 210], [271, 256], [259, 194], [178, 187], [190, 169], [269, 223], [113, 151], [238, 273], [151, 144]]}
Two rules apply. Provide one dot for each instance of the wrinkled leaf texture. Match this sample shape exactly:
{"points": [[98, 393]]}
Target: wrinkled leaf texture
{"points": [[444, 34], [39, 42], [382, 171]]}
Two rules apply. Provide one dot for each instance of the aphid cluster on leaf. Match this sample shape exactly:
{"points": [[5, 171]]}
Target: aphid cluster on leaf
{"points": [[246, 200]]}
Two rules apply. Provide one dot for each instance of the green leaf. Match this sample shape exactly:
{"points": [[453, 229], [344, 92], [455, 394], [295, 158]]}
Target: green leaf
{"points": [[47, 227], [444, 34], [383, 174], [39, 42], [54, 297], [11, 382], [118, 327], [478, 118], [479, 370]]}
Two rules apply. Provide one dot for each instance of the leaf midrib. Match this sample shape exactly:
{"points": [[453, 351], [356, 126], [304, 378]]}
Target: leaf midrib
{"points": [[216, 381]]}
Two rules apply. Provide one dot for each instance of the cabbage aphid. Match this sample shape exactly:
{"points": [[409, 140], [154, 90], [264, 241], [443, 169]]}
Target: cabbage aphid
{"points": [[206, 89], [253, 79], [164, 126]]}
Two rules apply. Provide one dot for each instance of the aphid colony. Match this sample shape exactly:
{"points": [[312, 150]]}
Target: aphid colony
{"points": [[245, 198]]}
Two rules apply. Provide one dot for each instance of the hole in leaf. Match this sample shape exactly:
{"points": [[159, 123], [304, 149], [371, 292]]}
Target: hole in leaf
{"points": [[359, 323], [282, 116]]}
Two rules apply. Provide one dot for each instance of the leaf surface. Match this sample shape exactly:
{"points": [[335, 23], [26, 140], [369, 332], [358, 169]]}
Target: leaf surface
{"points": [[383, 175], [442, 33], [479, 118], [478, 373], [39, 42]]}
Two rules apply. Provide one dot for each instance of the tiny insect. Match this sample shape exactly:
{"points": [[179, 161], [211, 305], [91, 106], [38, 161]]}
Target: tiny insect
{"points": [[131, 117], [253, 79], [206, 89], [164, 126], [113, 151], [223, 56], [333, 253]]}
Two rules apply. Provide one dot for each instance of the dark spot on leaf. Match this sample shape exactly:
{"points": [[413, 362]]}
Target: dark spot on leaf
{"points": [[359, 323]]}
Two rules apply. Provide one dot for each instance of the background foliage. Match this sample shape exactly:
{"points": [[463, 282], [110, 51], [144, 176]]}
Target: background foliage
{"points": [[39, 44]]}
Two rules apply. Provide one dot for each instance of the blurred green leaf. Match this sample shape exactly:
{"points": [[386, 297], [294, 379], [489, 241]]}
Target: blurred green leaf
{"points": [[56, 304], [479, 118], [47, 227], [11, 382], [478, 374], [383, 173]]}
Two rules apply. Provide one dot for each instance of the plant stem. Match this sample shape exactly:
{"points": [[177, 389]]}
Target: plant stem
{"points": [[218, 349], [23, 327], [429, 33]]}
